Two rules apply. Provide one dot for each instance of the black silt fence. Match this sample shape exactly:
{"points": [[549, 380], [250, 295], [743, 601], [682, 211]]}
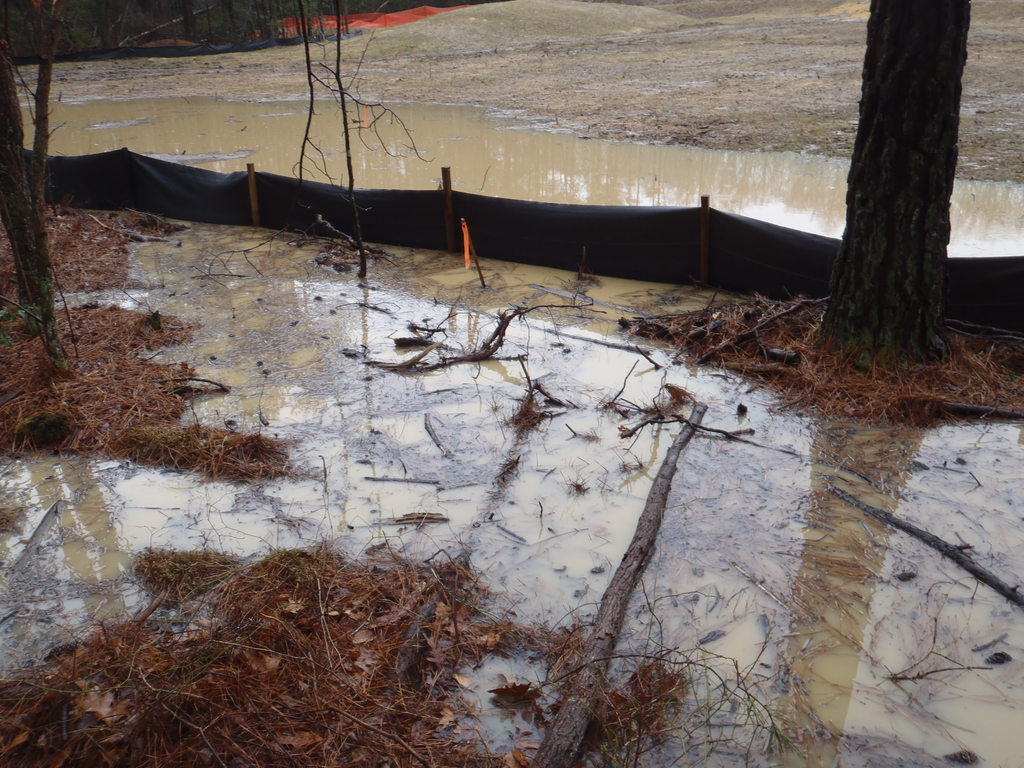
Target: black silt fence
{"points": [[660, 244]]}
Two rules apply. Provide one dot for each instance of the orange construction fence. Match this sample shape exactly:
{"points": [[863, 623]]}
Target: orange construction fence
{"points": [[328, 25]]}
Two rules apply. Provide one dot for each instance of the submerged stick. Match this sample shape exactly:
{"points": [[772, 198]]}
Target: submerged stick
{"points": [[562, 743], [49, 516], [433, 436], [946, 549]]}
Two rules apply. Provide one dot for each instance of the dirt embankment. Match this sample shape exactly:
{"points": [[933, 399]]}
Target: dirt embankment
{"points": [[724, 74]]}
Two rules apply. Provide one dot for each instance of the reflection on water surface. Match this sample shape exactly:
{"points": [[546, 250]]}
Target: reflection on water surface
{"points": [[501, 157]]}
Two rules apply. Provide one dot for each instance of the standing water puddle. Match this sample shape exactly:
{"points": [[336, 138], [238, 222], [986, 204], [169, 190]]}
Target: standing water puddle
{"points": [[840, 626], [504, 158]]}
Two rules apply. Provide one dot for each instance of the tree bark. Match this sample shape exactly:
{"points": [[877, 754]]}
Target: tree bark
{"points": [[24, 198], [889, 280], [15, 197]]}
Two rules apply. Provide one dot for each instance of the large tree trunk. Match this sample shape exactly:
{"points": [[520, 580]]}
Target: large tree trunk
{"points": [[889, 280]]}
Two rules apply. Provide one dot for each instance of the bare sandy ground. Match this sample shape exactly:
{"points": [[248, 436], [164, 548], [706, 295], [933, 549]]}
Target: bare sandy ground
{"points": [[725, 74]]}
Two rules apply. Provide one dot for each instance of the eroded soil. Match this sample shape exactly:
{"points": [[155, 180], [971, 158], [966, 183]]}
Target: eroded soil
{"points": [[722, 74]]}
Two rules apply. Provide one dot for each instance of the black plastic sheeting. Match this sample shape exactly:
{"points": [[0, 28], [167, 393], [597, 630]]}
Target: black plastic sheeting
{"points": [[654, 244]]}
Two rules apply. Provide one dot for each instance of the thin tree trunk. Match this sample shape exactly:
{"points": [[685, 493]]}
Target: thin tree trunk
{"points": [[15, 196], [24, 199], [889, 281], [357, 230]]}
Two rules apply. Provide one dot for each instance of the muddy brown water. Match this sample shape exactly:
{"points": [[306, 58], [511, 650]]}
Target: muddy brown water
{"points": [[787, 597], [494, 155]]}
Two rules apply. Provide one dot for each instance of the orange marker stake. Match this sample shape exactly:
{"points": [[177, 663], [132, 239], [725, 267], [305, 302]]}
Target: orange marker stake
{"points": [[465, 242]]}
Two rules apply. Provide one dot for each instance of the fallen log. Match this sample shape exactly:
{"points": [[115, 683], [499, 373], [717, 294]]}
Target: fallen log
{"points": [[562, 742], [946, 549]]}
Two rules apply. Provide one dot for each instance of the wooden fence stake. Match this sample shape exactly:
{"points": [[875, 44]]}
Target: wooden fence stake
{"points": [[705, 238], [254, 200], [449, 208]]}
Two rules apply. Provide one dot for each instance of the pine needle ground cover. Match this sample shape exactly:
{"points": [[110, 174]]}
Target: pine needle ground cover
{"points": [[302, 658], [116, 400], [776, 344]]}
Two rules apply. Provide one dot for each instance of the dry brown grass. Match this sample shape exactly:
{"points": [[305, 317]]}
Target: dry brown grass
{"points": [[300, 659], [978, 371]]}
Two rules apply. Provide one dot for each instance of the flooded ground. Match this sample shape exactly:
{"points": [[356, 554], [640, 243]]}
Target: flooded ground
{"points": [[800, 600], [499, 156]]}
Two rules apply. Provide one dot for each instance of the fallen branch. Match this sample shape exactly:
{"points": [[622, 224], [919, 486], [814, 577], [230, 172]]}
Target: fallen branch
{"points": [[486, 351], [132, 235], [217, 384], [414, 480], [47, 520], [752, 333], [942, 547], [978, 411], [983, 331], [562, 742]]}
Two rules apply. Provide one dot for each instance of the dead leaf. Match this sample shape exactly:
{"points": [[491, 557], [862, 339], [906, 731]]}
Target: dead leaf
{"points": [[516, 759], [462, 680], [491, 640], [446, 719], [420, 730], [366, 661], [515, 692], [100, 704], [299, 740], [263, 663], [362, 636]]}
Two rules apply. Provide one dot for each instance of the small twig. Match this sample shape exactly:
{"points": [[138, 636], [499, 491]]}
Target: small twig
{"points": [[515, 536], [551, 398], [760, 585], [926, 675], [155, 603], [202, 733], [221, 387], [414, 480], [374, 729], [648, 358], [16, 304], [622, 389], [433, 436]]}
